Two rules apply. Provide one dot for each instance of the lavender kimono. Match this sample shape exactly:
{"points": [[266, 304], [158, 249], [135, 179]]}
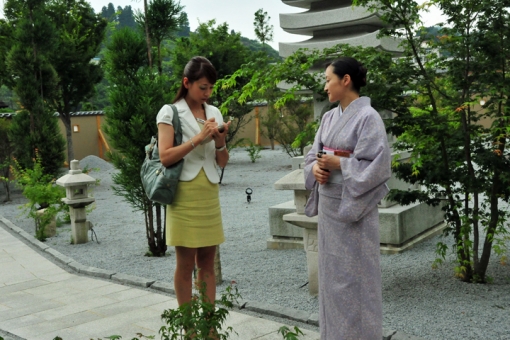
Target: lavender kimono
{"points": [[350, 298]]}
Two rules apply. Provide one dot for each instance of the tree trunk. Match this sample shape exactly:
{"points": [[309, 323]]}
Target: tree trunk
{"points": [[147, 35], [217, 266], [66, 120]]}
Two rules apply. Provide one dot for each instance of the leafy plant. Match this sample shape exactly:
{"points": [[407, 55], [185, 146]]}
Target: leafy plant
{"points": [[288, 334], [42, 193], [454, 121], [200, 319], [254, 151]]}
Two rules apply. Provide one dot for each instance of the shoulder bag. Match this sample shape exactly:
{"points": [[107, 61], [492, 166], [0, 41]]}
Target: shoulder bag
{"points": [[160, 182]]}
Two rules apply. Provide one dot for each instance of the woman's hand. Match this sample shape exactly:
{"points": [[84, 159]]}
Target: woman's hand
{"points": [[329, 162], [321, 176], [210, 127], [219, 137]]}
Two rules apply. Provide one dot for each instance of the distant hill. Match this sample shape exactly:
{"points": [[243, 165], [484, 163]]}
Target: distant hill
{"points": [[125, 18], [256, 46]]}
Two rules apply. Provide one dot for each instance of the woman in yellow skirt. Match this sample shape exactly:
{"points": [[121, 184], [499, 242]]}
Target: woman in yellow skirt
{"points": [[194, 223]]}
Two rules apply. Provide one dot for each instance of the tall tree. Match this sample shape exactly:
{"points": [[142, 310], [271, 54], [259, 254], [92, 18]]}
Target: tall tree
{"points": [[34, 41], [136, 95], [458, 160], [6, 154], [108, 12], [263, 29], [5, 45], [80, 34], [126, 17], [164, 19], [227, 53]]}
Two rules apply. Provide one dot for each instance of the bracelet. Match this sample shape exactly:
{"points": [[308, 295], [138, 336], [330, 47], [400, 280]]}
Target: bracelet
{"points": [[221, 148], [192, 144]]}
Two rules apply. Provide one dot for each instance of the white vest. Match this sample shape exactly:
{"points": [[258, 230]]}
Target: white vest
{"points": [[202, 156]]}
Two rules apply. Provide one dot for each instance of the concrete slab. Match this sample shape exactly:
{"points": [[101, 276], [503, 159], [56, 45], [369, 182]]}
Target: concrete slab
{"points": [[42, 304]]}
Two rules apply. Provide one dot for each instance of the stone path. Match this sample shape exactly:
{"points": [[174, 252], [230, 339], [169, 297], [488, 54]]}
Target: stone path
{"points": [[39, 300]]}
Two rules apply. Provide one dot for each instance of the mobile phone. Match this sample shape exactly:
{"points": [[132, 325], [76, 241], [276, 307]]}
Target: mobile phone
{"points": [[221, 128]]}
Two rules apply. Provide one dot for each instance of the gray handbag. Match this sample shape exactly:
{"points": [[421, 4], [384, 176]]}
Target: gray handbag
{"points": [[160, 182]]}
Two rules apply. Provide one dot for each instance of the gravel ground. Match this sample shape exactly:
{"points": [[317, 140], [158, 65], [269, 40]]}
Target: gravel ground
{"points": [[417, 300]]}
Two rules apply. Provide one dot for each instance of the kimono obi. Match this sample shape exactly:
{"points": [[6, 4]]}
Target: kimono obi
{"points": [[336, 175]]}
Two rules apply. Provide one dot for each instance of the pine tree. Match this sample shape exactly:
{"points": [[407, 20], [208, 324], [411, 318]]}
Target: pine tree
{"points": [[34, 40], [136, 95], [80, 34]]}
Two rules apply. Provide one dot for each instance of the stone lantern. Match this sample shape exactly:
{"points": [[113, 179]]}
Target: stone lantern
{"points": [[76, 184]]}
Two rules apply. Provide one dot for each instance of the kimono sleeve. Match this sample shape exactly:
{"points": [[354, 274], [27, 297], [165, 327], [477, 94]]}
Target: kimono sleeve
{"points": [[366, 173], [310, 158]]}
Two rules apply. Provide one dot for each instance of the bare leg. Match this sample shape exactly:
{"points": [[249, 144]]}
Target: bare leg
{"points": [[205, 265], [185, 258]]}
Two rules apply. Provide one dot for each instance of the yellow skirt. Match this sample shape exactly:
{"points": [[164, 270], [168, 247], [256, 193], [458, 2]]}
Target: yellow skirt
{"points": [[194, 218]]}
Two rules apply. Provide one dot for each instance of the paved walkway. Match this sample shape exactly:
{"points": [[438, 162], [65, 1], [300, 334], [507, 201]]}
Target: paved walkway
{"points": [[39, 300]]}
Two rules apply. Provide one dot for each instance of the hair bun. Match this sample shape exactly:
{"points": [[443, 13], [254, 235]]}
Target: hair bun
{"points": [[362, 75]]}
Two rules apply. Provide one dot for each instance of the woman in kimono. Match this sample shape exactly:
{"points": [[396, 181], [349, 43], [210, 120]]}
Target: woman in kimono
{"points": [[350, 163]]}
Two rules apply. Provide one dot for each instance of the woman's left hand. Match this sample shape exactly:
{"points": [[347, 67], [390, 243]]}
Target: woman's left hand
{"points": [[329, 162], [219, 137]]}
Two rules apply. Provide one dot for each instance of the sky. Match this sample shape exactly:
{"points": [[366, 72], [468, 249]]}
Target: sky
{"points": [[239, 14]]}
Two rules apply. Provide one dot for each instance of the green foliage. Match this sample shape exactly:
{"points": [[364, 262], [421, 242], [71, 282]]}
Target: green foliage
{"points": [[136, 96], [42, 193], [454, 82], [80, 33], [34, 40], [227, 53], [254, 151], [164, 20], [292, 122], [263, 78], [6, 154], [263, 30], [200, 318], [288, 334], [38, 133]]}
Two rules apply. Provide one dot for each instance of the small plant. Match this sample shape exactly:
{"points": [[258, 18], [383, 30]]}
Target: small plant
{"points": [[254, 152], [200, 319], [42, 193], [288, 334]]}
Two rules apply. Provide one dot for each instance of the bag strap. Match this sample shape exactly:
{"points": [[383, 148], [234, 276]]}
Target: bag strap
{"points": [[176, 122], [151, 150]]}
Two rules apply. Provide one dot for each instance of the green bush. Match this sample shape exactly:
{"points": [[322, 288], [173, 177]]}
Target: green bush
{"points": [[42, 193]]}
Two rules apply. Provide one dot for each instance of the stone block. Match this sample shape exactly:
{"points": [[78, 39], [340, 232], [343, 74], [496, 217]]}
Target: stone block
{"points": [[297, 162], [399, 224], [278, 311], [49, 230], [78, 267], [388, 333], [97, 272], [59, 256], [313, 319], [292, 181], [312, 260], [133, 280], [278, 227], [164, 287], [300, 199], [277, 243], [79, 225]]}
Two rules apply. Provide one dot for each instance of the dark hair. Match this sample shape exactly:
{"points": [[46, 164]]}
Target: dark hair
{"points": [[195, 69], [352, 67]]}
